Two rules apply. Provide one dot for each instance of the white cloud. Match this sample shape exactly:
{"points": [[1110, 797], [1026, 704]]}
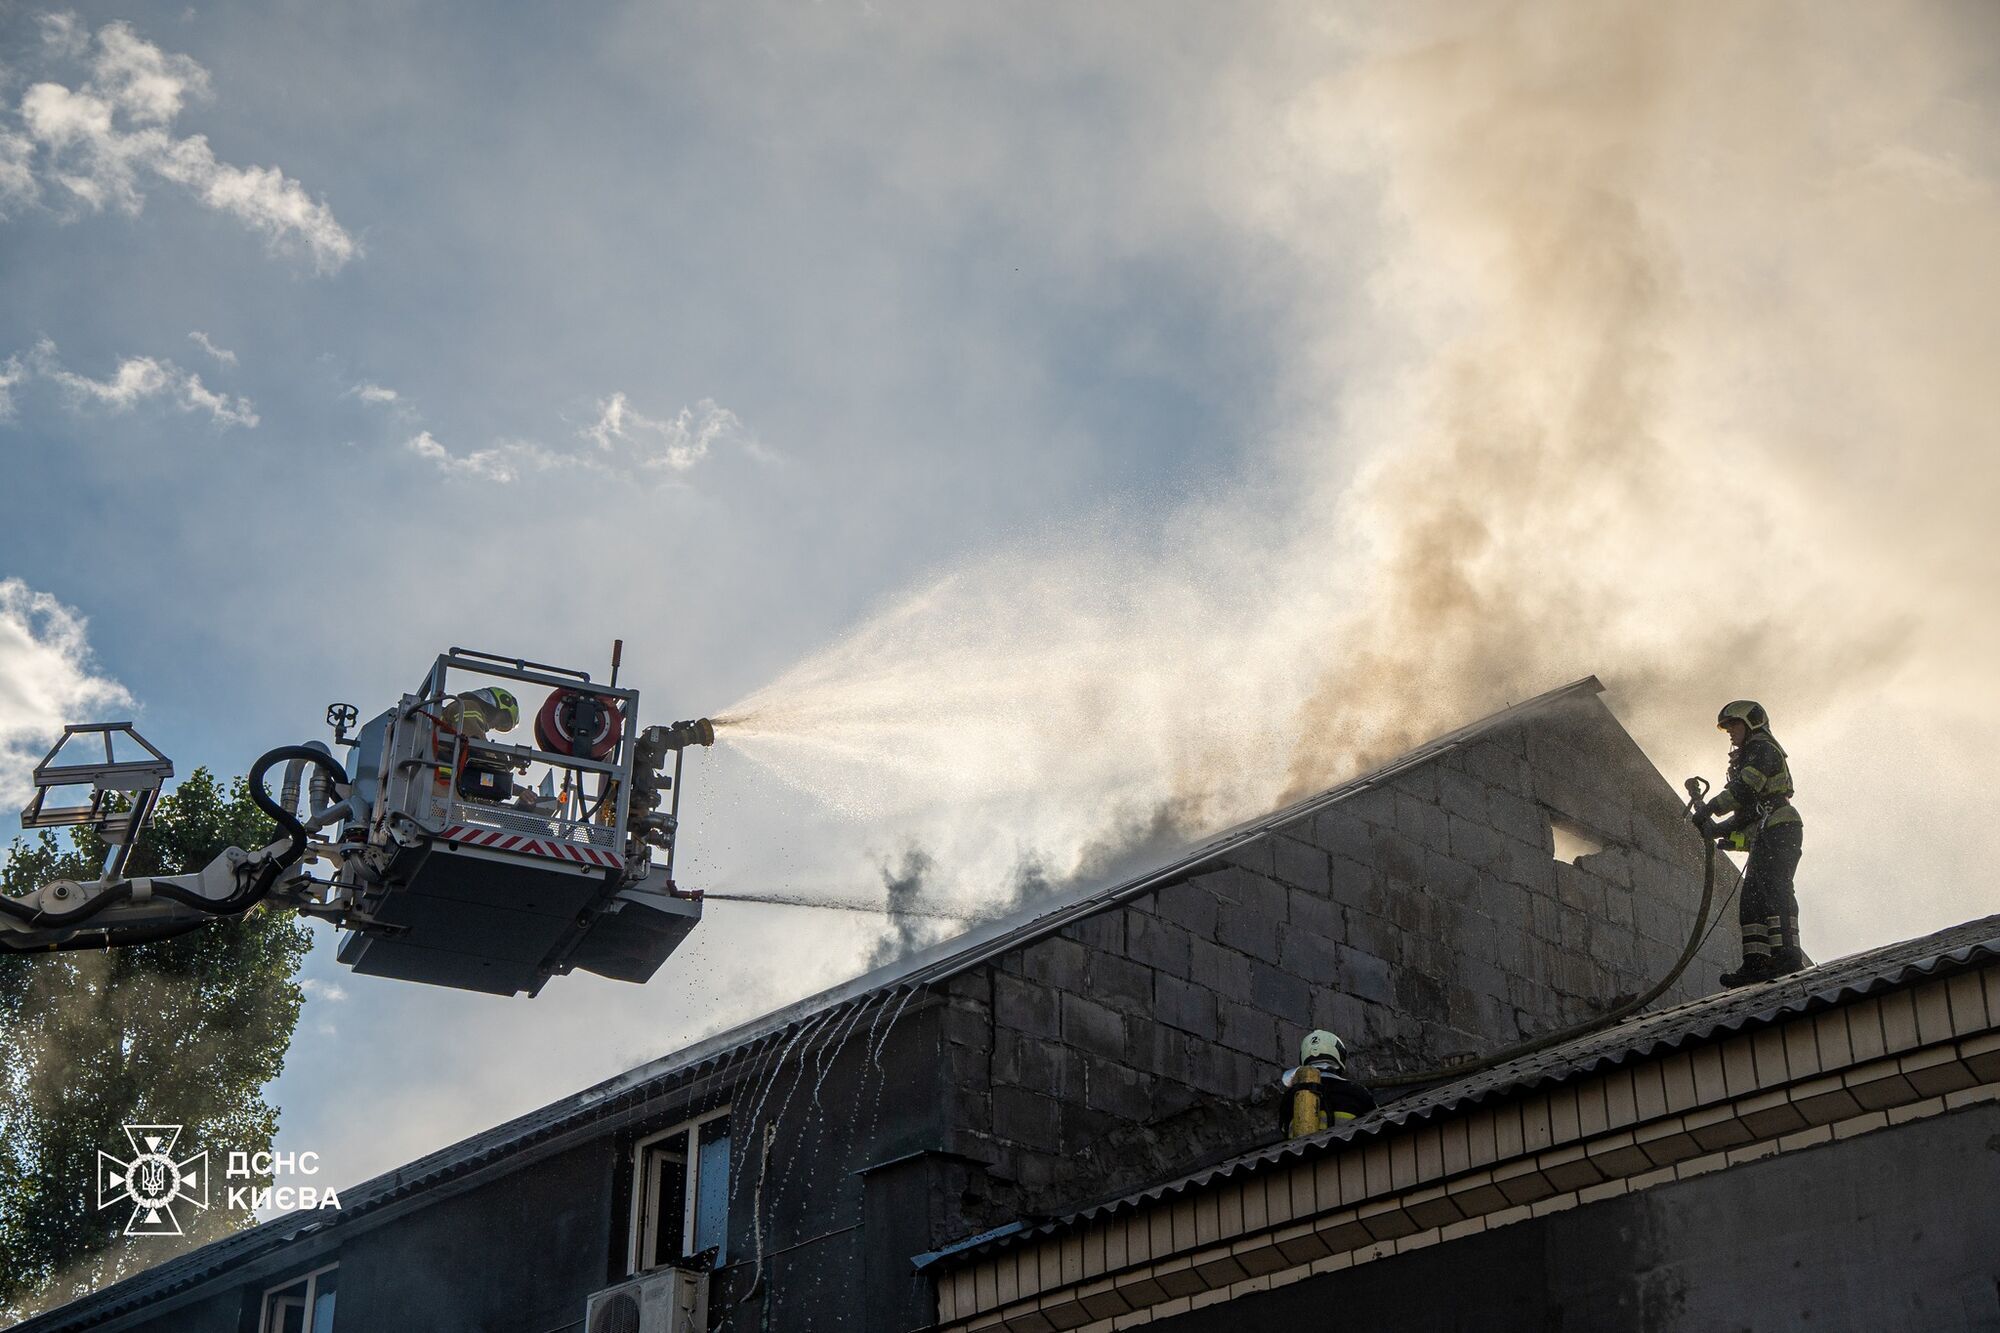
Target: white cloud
{"points": [[99, 141], [148, 83], [47, 678], [676, 443], [18, 187], [137, 379], [227, 410], [64, 35], [11, 374], [330, 991], [203, 341], [502, 463], [374, 393], [628, 443]]}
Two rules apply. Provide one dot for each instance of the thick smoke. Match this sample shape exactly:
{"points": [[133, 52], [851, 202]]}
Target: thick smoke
{"points": [[1650, 341], [908, 930]]}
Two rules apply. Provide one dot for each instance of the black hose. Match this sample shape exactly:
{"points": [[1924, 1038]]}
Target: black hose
{"points": [[286, 820], [1696, 938]]}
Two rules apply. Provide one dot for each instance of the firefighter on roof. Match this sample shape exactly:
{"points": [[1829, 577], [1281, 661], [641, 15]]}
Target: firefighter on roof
{"points": [[1754, 813], [1318, 1092]]}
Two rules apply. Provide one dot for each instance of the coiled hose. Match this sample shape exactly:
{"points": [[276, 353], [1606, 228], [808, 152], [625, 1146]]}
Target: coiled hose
{"points": [[245, 897], [1696, 938]]}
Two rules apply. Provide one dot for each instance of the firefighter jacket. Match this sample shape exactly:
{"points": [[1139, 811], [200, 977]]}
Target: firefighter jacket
{"points": [[1759, 790]]}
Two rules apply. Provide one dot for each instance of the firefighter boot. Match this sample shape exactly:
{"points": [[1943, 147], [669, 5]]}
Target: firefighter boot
{"points": [[1756, 967]]}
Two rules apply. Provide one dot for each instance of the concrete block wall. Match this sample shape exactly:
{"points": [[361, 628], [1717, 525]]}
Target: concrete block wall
{"points": [[1421, 919]]}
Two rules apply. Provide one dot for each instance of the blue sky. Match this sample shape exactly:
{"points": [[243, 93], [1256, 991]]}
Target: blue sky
{"points": [[1053, 415]]}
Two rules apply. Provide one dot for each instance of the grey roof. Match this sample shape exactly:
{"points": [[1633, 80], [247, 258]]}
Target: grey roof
{"points": [[1712, 1018], [636, 1087]]}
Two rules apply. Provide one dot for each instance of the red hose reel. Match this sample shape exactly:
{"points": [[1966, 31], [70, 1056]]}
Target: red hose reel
{"points": [[576, 722]]}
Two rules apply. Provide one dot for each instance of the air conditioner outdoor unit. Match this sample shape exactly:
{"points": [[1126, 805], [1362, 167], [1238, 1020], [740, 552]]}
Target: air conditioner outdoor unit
{"points": [[668, 1300]]}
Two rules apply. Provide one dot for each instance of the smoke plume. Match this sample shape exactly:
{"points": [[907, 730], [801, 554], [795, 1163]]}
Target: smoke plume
{"points": [[1649, 341]]}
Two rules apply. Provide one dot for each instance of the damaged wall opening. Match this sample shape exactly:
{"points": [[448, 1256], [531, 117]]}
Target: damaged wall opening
{"points": [[1573, 841]]}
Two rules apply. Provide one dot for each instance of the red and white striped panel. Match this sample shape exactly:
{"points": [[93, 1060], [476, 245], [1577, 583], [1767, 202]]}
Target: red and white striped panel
{"points": [[553, 848]]}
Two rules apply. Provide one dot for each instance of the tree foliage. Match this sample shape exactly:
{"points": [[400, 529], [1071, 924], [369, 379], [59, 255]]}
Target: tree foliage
{"points": [[185, 1031]]}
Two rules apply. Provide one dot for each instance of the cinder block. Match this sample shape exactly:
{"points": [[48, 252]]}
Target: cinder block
{"points": [[1090, 1026], [1447, 879], [1055, 962], [1369, 977], [1254, 892], [1025, 1117], [1249, 1031], [1103, 930], [1120, 983], [1314, 912], [1371, 934], [1301, 864], [1496, 763], [1400, 859], [1255, 855], [1156, 943], [1248, 932], [1186, 1006], [1308, 955], [1515, 817], [1277, 991], [1190, 904], [1477, 843], [1421, 819], [1342, 832], [1117, 1090], [1026, 1006], [1222, 970]]}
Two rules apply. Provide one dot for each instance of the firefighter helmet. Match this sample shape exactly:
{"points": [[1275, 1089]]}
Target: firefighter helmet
{"points": [[1323, 1045], [1747, 711], [497, 708]]}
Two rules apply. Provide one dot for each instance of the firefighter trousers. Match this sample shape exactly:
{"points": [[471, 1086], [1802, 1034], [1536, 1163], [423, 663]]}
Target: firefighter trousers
{"points": [[1769, 909]]}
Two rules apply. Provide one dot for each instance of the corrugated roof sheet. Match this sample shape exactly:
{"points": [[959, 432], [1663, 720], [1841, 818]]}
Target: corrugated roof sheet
{"points": [[1972, 944], [636, 1086]]}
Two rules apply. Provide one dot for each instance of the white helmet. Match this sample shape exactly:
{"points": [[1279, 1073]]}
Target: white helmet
{"points": [[1323, 1045]]}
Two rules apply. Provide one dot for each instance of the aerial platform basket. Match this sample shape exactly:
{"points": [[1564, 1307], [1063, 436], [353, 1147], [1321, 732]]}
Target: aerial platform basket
{"points": [[495, 865]]}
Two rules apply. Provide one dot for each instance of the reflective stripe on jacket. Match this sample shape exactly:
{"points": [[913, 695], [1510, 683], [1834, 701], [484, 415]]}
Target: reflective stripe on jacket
{"points": [[1760, 783]]}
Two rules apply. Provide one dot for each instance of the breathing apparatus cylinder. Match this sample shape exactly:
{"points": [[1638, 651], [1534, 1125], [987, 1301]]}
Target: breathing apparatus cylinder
{"points": [[1308, 1111]]}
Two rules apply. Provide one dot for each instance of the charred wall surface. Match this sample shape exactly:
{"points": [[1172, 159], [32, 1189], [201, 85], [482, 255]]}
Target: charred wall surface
{"points": [[1424, 918]]}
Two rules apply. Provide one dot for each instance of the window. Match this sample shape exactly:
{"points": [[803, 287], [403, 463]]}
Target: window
{"points": [[303, 1305], [680, 1192]]}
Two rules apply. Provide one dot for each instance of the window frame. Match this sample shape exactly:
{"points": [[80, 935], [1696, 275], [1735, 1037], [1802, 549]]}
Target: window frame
{"points": [[639, 1233], [311, 1279]]}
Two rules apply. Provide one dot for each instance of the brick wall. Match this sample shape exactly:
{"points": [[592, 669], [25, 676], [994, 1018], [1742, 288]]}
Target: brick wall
{"points": [[1423, 918]]}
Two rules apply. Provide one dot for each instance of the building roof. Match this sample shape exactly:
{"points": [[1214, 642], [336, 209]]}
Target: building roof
{"points": [[1636, 1039], [634, 1088]]}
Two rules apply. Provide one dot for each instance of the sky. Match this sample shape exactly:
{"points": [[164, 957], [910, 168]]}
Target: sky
{"points": [[1040, 430]]}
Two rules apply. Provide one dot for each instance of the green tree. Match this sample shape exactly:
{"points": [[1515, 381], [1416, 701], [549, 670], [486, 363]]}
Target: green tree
{"points": [[185, 1031]]}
